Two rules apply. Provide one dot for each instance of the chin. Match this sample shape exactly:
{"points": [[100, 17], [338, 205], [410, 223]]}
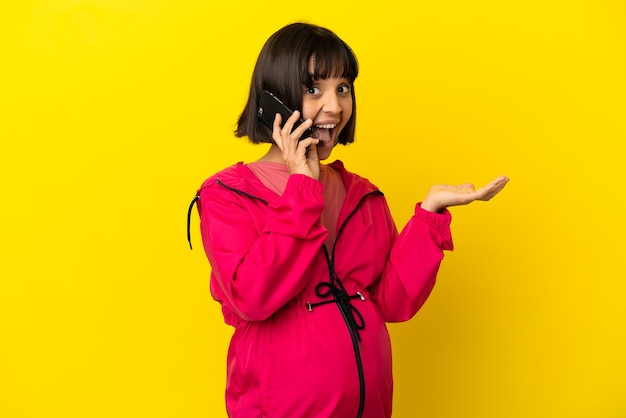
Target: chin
{"points": [[325, 150], [324, 155]]}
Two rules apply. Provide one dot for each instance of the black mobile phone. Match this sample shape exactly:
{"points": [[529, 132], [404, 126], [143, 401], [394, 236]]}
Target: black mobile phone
{"points": [[270, 105]]}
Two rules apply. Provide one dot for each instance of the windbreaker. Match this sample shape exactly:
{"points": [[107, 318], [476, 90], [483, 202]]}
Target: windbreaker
{"points": [[310, 337]]}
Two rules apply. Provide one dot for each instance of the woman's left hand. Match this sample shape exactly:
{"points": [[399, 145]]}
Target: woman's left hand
{"points": [[442, 196]]}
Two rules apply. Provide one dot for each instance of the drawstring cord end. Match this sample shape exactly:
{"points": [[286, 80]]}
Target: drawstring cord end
{"points": [[193, 202]]}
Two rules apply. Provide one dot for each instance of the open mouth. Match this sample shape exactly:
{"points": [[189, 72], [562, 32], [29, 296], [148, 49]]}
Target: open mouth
{"points": [[323, 132]]}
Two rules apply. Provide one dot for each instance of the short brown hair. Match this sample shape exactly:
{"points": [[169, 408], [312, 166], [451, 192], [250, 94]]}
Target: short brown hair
{"points": [[283, 68]]}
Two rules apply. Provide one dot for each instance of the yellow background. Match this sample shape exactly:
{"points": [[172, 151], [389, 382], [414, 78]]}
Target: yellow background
{"points": [[113, 112]]}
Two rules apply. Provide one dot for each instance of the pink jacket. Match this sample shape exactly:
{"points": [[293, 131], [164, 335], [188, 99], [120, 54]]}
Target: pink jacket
{"points": [[310, 337]]}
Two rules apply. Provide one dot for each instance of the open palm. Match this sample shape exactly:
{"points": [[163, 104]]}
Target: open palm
{"points": [[442, 195]]}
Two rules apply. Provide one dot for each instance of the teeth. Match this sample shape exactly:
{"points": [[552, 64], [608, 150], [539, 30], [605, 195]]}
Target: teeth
{"points": [[327, 126]]}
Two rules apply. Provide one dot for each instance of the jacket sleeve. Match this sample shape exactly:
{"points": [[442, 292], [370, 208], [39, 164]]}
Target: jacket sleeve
{"points": [[411, 268], [258, 265]]}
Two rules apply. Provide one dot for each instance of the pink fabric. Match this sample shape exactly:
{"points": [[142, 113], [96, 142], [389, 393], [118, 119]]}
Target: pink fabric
{"points": [[274, 176], [334, 196], [266, 256]]}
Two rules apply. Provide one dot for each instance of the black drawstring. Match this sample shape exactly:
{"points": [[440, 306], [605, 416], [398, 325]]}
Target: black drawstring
{"points": [[193, 202], [335, 288], [341, 297], [197, 197]]}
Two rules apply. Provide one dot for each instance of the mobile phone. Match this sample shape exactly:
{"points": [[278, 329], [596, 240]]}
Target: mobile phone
{"points": [[270, 105]]}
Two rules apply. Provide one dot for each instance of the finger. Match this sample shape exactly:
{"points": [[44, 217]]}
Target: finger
{"points": [[498, 184], [288, 126], [288, 135], [308, 144], [499, 181], [295, 116], [278, 119], [303, 127], [311, 150], [276, 131], [493, 188]]}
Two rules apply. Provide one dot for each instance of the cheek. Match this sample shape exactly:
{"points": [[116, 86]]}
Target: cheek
{"points": [[309, 111], [346, 113]]}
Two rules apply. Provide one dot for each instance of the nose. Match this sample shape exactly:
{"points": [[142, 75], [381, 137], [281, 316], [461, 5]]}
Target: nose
{"points": [[332, 104]]}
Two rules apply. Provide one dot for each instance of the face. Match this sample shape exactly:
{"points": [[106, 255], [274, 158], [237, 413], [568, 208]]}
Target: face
{"points": [[328, 103]]}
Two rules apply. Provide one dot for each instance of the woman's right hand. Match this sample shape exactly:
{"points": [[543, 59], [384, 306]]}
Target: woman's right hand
{"points": [[300, 156]]}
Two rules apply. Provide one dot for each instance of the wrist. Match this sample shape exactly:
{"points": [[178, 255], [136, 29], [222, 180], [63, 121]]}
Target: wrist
{"points": [[430, 206]]}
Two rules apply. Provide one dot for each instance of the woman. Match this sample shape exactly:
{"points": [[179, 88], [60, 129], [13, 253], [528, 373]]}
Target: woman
{"points": [[307, 262]]}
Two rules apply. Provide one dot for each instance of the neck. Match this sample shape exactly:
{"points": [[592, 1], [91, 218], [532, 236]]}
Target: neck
{"points": [[273, 155]]}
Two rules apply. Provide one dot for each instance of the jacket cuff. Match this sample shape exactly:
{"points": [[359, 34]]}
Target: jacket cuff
{"points": [[305, 184], [441, 219]]}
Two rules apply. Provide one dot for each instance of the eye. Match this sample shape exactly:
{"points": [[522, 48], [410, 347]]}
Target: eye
{"points": [[312, 90], [344, 89]]}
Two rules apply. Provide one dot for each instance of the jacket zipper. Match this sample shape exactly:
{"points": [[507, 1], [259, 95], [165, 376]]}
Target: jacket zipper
{"points": [[356, 340]]}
